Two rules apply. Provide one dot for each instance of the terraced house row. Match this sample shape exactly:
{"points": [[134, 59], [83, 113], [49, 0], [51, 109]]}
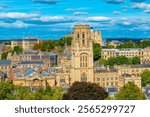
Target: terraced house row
{"points": [[143, 54]]}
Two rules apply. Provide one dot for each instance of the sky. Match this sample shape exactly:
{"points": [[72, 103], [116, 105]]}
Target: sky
{"points": [[53, 19]]}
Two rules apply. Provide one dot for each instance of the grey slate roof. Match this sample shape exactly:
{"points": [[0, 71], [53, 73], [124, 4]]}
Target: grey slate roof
{"points": [[31, 62], [5, 62]]}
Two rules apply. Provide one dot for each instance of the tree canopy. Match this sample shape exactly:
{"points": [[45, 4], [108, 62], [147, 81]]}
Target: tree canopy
{"points": [[96, 51], [9, 91], [131, 44], [145, 76], [85, 91], [17, 49], [120, 60], [49, 45], [4, 55], [130, 92]]}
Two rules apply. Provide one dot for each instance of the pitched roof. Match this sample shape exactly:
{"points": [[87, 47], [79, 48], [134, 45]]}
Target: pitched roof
{"points": [[5, 62], [31, 62]]}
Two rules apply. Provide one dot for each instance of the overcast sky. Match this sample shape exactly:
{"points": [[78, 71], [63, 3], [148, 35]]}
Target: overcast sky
{"points": [[52, 19]]}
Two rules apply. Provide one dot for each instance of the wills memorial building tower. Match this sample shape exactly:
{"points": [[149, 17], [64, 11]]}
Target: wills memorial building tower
{"points": [[82, 68]]}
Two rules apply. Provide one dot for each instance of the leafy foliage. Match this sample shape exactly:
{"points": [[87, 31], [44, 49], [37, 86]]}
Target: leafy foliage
{"points": [[130, 92], [120, 60], [4, 55], [17, 49], [145, 78], [96, 51], [8, 91], [135, 60], [85, 91], [131, 44], [51, 44]]}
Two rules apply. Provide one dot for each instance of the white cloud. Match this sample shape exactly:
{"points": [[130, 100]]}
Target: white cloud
{"points": [[116, 12], [80, 13], [18, 15], [61, 19], [17, 24], [77, 9], [52, 18], [97, 18], [144, 6]]}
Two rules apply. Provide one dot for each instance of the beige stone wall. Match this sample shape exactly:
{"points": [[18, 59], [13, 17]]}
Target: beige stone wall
{"points": [[108, 79]]}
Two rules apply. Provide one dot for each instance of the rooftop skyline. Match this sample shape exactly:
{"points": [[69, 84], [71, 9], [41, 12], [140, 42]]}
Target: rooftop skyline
{"points": [[52, 19]]}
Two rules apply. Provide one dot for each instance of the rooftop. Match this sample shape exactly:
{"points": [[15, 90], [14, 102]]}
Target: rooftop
{"points": [[31, 62], [5, 62]]}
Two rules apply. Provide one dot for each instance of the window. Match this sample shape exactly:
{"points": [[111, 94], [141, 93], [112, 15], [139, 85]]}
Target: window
{"points": [[83, 42], [83, 60], [98, 79], [78, 36], [83, 35]]}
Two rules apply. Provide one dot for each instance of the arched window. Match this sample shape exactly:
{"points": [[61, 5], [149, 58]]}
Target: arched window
{"points": [[84, 60], [83, 35], [83, 42], [78, 36], [83, 77]]}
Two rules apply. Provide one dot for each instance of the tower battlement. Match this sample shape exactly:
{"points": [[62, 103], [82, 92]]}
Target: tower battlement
{"points": [[81, 27]]}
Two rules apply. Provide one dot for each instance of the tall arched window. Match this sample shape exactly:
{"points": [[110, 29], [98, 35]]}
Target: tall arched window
{"points": [[83, 42], [84, 77], [78, 35], [84, 60], [83, 35]]}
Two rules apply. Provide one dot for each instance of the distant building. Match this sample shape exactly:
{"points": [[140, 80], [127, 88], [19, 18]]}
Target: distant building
{"points": [[109, 53], [146, 56], [26, 44], [5, 66], [115, 43], [127, 52], [2, 47]]}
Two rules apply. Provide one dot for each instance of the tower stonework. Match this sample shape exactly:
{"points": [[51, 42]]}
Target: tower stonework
{"points": [[82, 55]]}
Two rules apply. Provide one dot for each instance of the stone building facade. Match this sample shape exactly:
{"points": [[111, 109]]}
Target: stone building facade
{"points": [[76, 64], [26, 44], [82, 55]]}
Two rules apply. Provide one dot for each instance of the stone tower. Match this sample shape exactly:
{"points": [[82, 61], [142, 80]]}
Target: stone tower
{"points": [[82, 55]]}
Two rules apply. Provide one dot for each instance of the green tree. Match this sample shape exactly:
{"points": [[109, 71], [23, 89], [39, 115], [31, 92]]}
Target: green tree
{"points": [[57, 94], [22, 93], [110, 46], [4, 55], [6, 90], [96, 51], [64, 40], [17, 49], [145, 76], [36, 46], [130, 92], [102, 61], [135, 60], [129, 44], [85, 91], [143, 44]]}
